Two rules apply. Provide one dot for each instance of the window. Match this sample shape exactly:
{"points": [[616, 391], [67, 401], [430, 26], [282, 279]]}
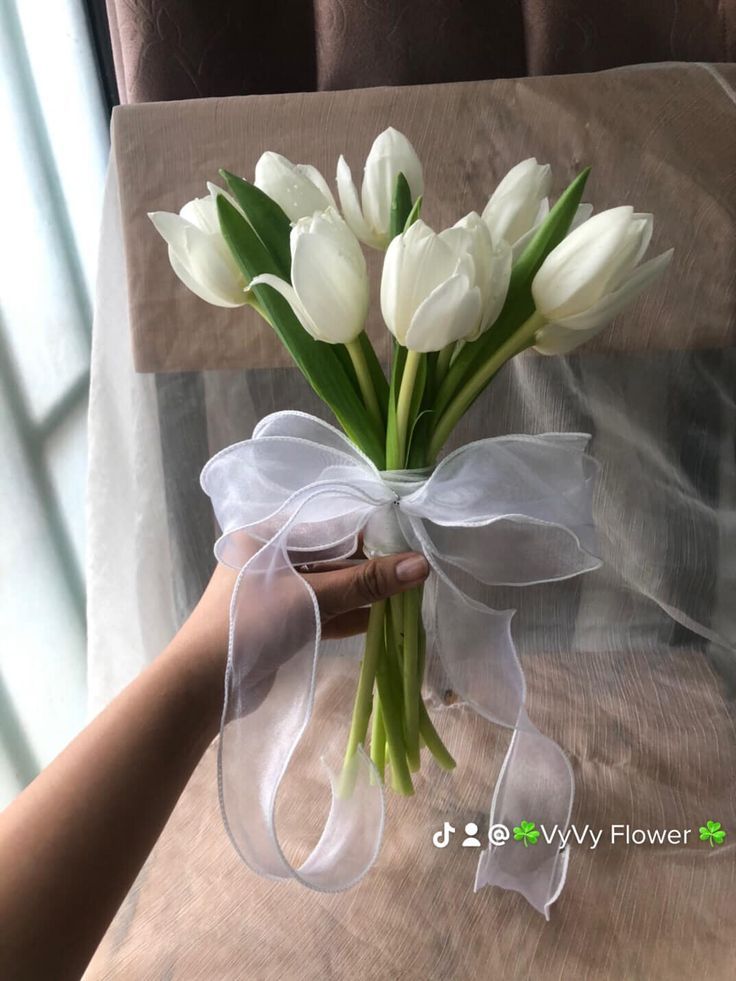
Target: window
{"points": [[55, 140]]}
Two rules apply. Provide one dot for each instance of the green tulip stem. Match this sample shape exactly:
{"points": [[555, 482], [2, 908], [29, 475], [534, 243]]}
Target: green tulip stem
{"points": [[403, 406], [364, 381], [443, 363], [374, 644], [432, 740], [378, 738], [410, 675], [519, 341]]}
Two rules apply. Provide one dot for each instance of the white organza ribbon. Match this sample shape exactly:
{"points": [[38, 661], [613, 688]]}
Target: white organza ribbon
{"points": [[513, 510]]}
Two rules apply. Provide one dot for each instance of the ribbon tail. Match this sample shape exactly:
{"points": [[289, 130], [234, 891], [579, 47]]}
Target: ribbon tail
{"points": [[536, 782], [269, 696]]}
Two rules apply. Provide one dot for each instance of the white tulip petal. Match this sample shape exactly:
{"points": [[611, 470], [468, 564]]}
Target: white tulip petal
{"points": [[201, 261], [646, 233], [202, 213], [391, 286], [210, 262], [613, 303], [498, 286], [313, 175], [289, 187], [408, 253], [542, 212], [459, 239], [332, 285], [390, 155], [521, 243], [426, 266], [448, 314], [193, 284], [491, 266], [341, 234], [379, 184], [271, 168], [638, 237], [575, 274], [392, 143], [583, 212], [171, 228], [514, 206], [409, 162], [215, 190], [289, 294], [556, 339], [351, 209]]}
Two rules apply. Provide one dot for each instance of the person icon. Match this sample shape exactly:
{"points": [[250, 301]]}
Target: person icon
{"points": [[471, 830]]}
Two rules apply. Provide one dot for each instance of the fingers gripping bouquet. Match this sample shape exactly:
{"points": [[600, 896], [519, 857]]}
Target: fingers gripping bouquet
{"points": [[460, 303]]}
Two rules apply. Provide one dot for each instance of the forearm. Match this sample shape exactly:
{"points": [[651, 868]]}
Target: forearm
{"points": [[72, 844]]}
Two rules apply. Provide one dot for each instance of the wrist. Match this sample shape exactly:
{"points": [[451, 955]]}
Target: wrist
{"points": [[196, 673]]}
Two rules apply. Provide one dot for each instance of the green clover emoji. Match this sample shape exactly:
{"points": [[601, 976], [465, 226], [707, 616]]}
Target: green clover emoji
{"points": [[527, 833], [712, 832]]}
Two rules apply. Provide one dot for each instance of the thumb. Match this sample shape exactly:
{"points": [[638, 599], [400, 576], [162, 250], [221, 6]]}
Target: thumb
{"points": [[347, 589]]}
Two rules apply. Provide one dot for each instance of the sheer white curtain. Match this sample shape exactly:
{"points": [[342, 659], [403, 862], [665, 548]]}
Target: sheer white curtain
{"points": [[52, 168]]}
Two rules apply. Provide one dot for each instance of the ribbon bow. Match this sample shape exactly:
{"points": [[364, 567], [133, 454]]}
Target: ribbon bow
{"points": [[513, 510]]}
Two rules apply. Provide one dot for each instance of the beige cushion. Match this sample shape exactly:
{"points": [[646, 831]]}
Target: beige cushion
{"points": [[657, 138]]}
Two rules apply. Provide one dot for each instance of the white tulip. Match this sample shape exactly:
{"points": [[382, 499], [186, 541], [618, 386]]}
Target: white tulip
{"points": [[329, 280], [519, 204], [492, 266], [391, 154], [591, 276], [299, 189], [198, 253], [429, 295]]}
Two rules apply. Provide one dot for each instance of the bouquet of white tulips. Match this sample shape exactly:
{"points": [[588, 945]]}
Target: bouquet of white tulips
{"points": [[460, 303]]}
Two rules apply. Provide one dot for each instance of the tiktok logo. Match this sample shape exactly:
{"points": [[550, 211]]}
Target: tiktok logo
{"points": [[441, 839]]}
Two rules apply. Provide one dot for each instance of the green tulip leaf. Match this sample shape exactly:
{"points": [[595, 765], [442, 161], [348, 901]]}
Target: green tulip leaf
{"points": [[401, 206], [378, 378], [266, 218], [318, 362], [519, 304], [414, 213], [392, 440]]}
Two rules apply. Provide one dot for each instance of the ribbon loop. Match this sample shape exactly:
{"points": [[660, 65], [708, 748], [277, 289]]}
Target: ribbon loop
{"points": [[511, 510]]}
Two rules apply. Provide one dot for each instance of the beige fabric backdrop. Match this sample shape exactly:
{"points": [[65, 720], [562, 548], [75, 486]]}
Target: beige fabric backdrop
{"points": [[653, 137]]}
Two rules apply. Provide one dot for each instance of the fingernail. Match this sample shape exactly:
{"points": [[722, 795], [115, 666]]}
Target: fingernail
{"points": [[413, 569]]}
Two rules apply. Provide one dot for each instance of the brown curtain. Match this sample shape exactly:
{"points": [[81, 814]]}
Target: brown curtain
{"points": [[180, 49]]}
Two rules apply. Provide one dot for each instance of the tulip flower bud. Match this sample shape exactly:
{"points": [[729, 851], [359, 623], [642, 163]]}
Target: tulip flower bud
{"points": [[198, 253], [299, 189], [329, 280], [591, 276], [492, 266], [519, 204], [429, 296], [370, 217]]}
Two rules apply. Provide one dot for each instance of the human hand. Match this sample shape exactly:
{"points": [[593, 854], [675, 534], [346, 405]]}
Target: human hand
{"points": [[344, 592]]}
